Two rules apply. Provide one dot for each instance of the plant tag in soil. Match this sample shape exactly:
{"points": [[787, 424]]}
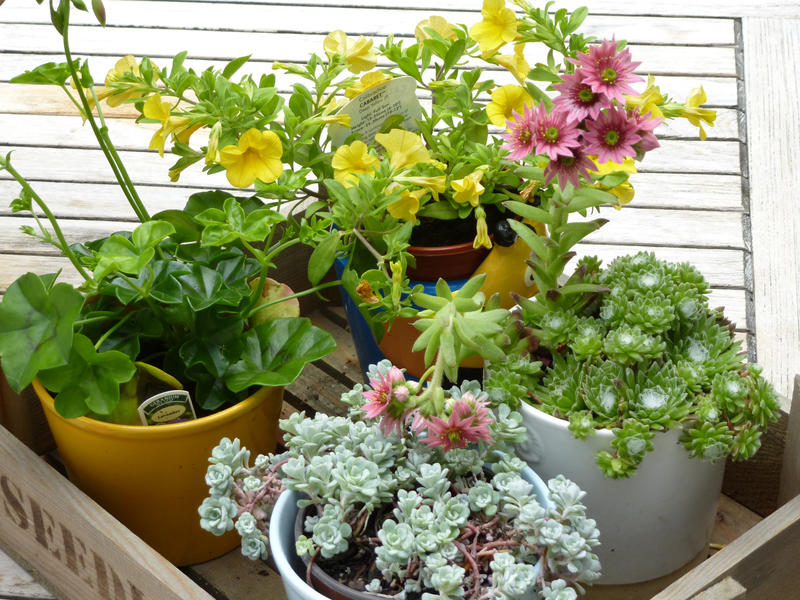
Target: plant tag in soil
{"points": [[173, 406], [369, 110]]}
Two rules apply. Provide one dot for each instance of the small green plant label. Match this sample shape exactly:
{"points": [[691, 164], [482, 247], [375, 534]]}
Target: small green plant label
{"points": [[172, 406]]}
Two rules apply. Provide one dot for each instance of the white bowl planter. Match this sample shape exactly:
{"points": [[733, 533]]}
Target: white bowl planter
{"points": [[650, 524]]}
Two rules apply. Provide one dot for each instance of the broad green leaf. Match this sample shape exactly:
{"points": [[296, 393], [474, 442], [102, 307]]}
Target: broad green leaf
{"points": [[322, 257], [234, 66], [217, 341], [201, 286], [47, 74], [186, 228], [36, 327], [276, 352], [89, 381], [120, 254], [150, 233]]}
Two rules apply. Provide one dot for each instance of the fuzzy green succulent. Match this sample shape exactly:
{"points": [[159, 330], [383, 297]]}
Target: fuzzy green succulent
{"points": [[637, 350]]}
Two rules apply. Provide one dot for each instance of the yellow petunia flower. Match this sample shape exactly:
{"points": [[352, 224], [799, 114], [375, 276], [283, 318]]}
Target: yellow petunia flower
{"points": [[482, 239], [407, 207], [350, 161], [696, 115], [649, 101], [498, 27], [515, 63], [179, 127], [154, 108], [357, 54], [469, 189], [343, 119], [505, 100], [369, 80], [437, 24], [126, 64], [256, 156], [624, 191], [405, 148], [435, 185]]}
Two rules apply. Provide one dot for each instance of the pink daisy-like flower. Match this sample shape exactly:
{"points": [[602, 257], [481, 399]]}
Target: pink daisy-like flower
{"points": [[380, 396], [608, 72], [577, 98], [567, 169], [611, 136], [466, 424], [520, 140], [555, 134], [645, 124]]}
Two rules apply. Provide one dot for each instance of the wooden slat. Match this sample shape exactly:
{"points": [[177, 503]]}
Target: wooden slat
{"points": [[81, 550], [763, 560], [15, 582], [772, 125], [790, 469]]}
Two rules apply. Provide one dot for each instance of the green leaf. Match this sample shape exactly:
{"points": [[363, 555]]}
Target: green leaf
{"points": [[149, 234], [36, 327], [47, 74], [541, 74], [201, 286], [528, 211], [216, 343], [234, 66], [120, 254], [529, 236], [89, 381], [186, 228], [276, 352], [322, 257]]}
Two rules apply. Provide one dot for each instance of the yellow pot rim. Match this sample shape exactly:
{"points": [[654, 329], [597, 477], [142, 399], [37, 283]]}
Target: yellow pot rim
{"points": [[160, 431]]}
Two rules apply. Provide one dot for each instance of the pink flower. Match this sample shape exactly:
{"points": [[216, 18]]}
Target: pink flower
{"points": [[577, 98], [380, 396], [554, 134], [645, 124], [568, 168], [611, 136], [468, 422], [520, 141], [608, 72]]}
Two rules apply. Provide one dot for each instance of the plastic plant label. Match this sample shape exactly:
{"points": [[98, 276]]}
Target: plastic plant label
{"points": [[370, 109], [173, 406]]}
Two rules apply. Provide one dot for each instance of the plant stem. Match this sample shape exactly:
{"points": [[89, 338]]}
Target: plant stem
{"points": [[120, 173], [316, 288], [64, 247], [116, 326]]}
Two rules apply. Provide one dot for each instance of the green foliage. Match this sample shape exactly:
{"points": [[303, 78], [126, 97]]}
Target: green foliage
{"points": [[645, 355]]}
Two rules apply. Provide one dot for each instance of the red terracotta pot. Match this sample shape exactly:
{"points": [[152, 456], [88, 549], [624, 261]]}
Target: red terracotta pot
{"points": [[457, 261]]}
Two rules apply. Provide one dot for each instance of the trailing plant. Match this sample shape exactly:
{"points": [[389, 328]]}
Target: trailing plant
{"points": [[410, 487], [185, 297], [636, 349]]}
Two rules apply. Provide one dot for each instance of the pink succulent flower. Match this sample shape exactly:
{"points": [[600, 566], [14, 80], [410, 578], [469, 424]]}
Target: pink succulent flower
{"points": [[468, 422], [577, 98], [611, 136], [520, 140], [567, 169], [380, 396], [555, 134], [608, 72]]}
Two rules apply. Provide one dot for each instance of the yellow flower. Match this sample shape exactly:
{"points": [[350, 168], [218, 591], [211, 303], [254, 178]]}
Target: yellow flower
{"points": [[369, 80], [212, 151], [180, 127], [468, 189], [407, 207], [505, 99], [343, 119], [649, 101], [696, 115], [624, 191], [126, 64], [435, 185], [349, 161], [256, 156], [358, 54], [499, 26], [438, 24], [482, 236], [515, 63], [405, 148]]}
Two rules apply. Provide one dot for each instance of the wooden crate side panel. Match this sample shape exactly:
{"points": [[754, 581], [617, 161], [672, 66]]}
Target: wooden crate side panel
{"points": [[22, 415], [78, 548], [763, 561]]}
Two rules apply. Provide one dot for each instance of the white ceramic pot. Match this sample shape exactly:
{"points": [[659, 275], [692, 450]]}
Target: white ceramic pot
{"points": [[281, 539], [651, 523]]}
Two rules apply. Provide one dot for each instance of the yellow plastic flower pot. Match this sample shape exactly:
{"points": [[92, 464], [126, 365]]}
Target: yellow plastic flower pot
{"points": [[153, 478]]}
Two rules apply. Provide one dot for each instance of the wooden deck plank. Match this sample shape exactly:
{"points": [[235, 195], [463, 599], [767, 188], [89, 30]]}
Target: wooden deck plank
{"points": [[773, 123], [16, 582]]}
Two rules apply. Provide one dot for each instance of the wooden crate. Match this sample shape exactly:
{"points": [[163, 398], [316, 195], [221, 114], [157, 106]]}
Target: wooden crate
{"points": [[81, 552]]}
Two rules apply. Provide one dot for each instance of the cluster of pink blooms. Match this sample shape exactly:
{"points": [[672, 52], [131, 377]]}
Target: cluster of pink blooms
{"points": [[589, 117], [467, 419]]}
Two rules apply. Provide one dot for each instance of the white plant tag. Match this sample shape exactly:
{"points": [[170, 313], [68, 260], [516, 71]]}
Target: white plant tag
{"points": [[372, 107], [171, 406]]}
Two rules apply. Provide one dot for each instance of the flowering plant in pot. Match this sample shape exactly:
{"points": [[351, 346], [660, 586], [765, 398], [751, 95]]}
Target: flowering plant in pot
{"points": [[408, 496], [183, 300]]}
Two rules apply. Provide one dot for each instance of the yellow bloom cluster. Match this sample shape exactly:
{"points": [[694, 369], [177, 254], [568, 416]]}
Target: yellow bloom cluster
{"points": [[506, 100], [498, 27], [357, 54], [180, 127], [257, 155]]}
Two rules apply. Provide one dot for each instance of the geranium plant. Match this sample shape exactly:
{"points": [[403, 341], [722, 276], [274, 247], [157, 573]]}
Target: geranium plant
{"points": [[408, 496], [185, 297], [371, 187]]}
